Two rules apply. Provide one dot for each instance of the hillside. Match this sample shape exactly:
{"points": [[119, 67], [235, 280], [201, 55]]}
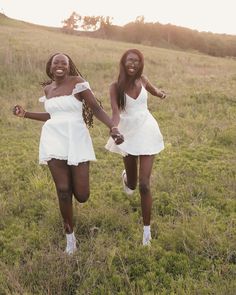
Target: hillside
{"points": [[193, 184], [155, 34], [171, 37]]}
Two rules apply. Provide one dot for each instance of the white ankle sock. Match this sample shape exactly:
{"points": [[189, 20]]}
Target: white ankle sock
{"points": [[147, 229], [146, 235], [71, 243], [70, 236]]}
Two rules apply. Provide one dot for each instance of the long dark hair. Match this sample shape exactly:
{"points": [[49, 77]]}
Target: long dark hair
{"points": [[124, 80], [73, 71]]}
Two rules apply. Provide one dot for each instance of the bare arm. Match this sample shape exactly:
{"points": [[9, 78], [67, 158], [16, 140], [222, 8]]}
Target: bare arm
{"points": [[101, 115], [114, 105], [19, 111], [152, 89]]}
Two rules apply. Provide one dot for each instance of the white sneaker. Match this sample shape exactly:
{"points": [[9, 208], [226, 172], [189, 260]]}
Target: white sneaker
{"points": [[147, 239], [127, 190]]}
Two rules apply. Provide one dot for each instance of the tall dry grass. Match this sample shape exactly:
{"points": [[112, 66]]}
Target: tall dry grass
{"points": [[193, 182]]}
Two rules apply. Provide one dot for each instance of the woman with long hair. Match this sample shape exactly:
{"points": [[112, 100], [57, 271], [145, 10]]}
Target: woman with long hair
{"points": [[143, 139]]}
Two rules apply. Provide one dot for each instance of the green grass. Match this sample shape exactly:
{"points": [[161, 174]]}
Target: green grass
{"points": [[193, 180]]}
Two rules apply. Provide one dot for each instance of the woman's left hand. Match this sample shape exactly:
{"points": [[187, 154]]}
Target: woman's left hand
{"points": [[115, 134]]}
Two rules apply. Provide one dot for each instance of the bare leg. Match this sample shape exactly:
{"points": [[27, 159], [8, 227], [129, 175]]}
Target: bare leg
{"points": [[63, 181], [146, 163], [80, 181], [130, 163]]}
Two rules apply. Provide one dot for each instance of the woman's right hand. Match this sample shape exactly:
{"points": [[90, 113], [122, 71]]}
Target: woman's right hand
{"points": [[18, 111]]}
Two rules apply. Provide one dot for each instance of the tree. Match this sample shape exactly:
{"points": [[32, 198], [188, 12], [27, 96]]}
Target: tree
{"points": [[140, 19], [105, 21], [90, 23], [71, 24]]}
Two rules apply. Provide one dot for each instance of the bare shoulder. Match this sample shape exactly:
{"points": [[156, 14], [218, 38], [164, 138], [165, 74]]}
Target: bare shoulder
{"points": [[76, 79], [144, 80], [47, 88], [113, 87]]}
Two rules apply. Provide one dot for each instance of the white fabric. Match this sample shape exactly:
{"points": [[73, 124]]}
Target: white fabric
{"points": [[141, 132], [79, 87], [65, 135], [147, 239], [70, 244], [70, 237], [146, 229]]}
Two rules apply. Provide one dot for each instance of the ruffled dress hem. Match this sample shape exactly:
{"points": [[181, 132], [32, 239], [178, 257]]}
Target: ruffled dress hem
{"points": [[118, 150], [43, 161]]}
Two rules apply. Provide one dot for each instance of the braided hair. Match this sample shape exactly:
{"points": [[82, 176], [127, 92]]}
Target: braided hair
{"points": [[73, 71]]}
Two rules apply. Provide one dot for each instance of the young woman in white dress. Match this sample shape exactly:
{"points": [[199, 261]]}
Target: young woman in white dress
{"points": [[142, 136], [65, 143]]}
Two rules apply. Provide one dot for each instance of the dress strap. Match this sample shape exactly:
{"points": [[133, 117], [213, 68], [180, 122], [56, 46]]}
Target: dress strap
{"points": [[79, 87]]}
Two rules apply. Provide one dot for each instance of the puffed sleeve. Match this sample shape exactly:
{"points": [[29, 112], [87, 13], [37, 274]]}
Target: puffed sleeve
{"points": [[79, 87]]}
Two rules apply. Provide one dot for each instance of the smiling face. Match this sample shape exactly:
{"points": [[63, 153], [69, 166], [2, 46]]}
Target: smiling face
{"points": [[132, 63], [60, 66]]}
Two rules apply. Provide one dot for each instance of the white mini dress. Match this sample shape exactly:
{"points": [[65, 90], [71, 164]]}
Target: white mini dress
{"points": [[65, 135], [141, 132]]}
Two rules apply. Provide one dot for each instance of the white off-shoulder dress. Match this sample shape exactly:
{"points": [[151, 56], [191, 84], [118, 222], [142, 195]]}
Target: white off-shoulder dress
{"points": [[141, 132], [65, 135]]}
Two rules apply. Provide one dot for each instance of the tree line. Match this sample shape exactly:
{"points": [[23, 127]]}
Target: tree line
{"points": [[85, 23], [152, 34]]}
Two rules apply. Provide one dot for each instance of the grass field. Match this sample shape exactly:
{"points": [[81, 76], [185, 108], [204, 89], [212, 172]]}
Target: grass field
{"points": [[193, 183]]}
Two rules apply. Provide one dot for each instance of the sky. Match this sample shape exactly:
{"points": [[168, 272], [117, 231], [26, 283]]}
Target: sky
{"points": [[216, 16]]}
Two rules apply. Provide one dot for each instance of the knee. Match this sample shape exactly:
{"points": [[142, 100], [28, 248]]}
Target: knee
{"points": [[64, 194], [81, 198], [144, 188]]}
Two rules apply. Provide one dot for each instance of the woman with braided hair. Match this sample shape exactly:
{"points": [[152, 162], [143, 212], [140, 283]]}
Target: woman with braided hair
{"points": [[65, 143]]}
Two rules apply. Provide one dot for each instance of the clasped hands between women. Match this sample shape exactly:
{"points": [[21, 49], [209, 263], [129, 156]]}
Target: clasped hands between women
{"points": [[115, 134]]}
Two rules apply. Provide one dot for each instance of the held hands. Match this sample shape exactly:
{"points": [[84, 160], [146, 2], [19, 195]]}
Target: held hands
{"points": [[115, 134], [18, 111]]}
